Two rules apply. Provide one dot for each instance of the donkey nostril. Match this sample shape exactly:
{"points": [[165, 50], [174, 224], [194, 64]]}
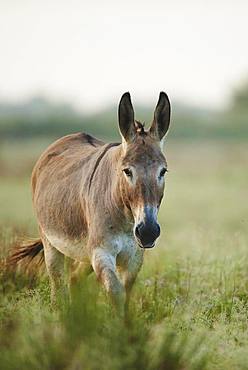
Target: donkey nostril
{"points": [[138, 230]]}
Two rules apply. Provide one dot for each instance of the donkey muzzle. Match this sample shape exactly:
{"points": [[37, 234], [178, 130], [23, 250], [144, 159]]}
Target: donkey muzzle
{"points": [[147, 233]]}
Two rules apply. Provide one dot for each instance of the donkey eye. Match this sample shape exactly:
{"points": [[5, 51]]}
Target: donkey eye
{"points": [[128, 172], [162, 172]]}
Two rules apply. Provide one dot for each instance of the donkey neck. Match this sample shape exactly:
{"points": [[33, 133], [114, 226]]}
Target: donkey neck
{"points": [[97, 163], [104, 188]]}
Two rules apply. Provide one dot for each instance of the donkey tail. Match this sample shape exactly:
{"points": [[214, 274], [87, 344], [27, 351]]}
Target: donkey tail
{"points": [[26, 253]]}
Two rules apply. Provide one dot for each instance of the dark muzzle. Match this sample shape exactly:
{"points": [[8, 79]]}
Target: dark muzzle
{"points": [[147, 233]]}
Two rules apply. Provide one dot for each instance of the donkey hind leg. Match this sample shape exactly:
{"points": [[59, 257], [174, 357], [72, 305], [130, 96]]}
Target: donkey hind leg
{"points": [[104, 265], [77, 275], [79, 271], [55, 265]]}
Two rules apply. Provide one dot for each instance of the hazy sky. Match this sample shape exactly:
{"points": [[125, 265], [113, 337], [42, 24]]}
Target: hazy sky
{"points": [[89, 52]]}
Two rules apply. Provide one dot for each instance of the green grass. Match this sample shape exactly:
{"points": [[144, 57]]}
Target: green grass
{"points": [[190, 304]]}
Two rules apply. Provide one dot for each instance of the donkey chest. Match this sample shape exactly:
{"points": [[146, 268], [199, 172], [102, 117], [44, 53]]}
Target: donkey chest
{"points": [[124, 249]]}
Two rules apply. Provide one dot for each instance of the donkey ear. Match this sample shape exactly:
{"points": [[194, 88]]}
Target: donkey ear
{"points": [[126, 117], [161, 121]]}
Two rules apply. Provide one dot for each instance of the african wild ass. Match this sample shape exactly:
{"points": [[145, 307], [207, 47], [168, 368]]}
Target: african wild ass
{"points": [[97, 203]]}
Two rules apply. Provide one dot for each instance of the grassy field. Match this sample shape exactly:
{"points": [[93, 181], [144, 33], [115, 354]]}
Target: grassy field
{"points": [[190, 303]]}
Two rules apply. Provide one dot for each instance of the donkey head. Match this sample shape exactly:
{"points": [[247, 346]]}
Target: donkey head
{"points": [[143, 167]]}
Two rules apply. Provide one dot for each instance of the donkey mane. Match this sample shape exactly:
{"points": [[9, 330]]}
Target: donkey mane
{"points": [[99, 160], [140, 128]]}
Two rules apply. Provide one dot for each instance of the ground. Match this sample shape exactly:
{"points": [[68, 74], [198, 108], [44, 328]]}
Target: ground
{"points": [[189, 307]]}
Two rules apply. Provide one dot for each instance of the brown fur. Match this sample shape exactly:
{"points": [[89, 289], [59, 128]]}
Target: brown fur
{"points": [[82, 196]]}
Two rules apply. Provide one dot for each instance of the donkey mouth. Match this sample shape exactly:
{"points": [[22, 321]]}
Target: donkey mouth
{"points": [[144, 246]]}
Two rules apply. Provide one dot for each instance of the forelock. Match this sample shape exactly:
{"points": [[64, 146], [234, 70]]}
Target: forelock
{"points": [[143, 150], [140, 128]]}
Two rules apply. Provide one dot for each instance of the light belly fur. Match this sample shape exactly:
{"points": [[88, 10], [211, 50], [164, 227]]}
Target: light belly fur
{"points": [[121, 245], [75, 249]]}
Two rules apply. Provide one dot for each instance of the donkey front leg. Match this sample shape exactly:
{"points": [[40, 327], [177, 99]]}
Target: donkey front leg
{"points": [[104, 265], [129, 273]]}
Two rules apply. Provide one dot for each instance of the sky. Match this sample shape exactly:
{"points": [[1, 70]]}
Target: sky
{"points": [[90, 52]]}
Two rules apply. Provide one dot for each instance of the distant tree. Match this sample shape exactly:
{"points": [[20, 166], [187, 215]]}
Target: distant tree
{"points": [[240, 98]]}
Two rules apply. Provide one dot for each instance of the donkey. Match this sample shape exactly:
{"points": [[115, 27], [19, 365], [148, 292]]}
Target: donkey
{"points": [[97, 203]]}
